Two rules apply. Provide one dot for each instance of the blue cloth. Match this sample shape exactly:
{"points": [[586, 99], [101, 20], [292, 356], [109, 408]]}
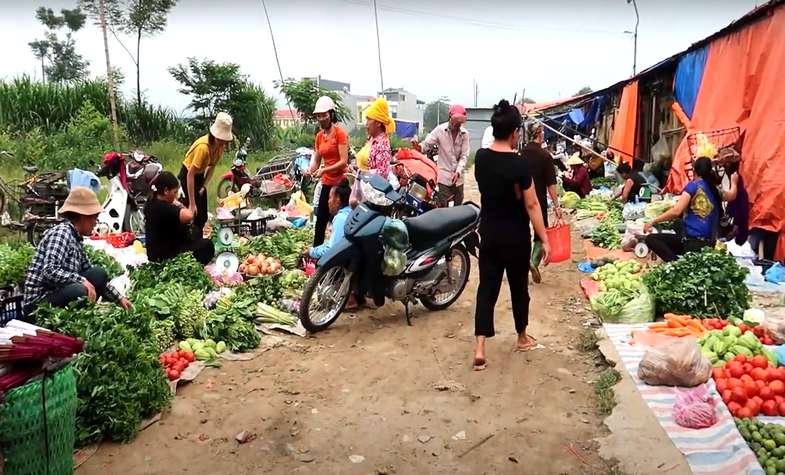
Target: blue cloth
{"points": [[687, 81], [703, 213], [406, 130], [776, 274], [594, 114], [77, 177], [339, 222]]}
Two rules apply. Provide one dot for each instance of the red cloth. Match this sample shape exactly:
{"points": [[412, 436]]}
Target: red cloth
{"points": [[743, 86], [625, 127]]}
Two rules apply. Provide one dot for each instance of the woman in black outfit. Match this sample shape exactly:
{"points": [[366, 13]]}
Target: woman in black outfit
{"points": [[509, 201], [167, 225]]}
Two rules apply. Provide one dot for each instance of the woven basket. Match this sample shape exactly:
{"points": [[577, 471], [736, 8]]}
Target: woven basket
{"points": [[38, 425]]}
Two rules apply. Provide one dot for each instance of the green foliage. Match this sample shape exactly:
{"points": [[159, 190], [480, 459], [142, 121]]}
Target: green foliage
{"points": [[59, 60], [101, 259], [435, 112], [14, 262], [216, 87], [294, 137], [582, 91], [183, 270], [303, 94], [359, 136]]}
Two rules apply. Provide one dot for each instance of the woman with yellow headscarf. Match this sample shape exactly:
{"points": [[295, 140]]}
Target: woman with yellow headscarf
{"points": [[376, 155]]}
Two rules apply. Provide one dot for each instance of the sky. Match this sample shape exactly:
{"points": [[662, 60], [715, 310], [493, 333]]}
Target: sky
{"points": [[549, 49]]}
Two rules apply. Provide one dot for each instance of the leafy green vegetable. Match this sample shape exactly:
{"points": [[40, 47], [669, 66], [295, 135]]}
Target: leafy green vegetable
{"points": [[607, 235], [708, 283], [236, 331], [281, 244], [14, 262], [599, 182], [183, 269], [100, 258], [190, 318], [163, 334]]}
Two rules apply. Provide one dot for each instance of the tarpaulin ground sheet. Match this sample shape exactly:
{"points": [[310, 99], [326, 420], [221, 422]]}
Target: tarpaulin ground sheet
{"points": [[717, 450]]}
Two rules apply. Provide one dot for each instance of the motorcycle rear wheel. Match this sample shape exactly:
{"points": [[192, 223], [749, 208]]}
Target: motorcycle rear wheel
{"points": [[225, 187], [327, 291], [454, 289]]}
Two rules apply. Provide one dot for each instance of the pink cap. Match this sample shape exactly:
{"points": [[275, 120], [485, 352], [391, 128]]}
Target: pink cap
{"points": [[457, 109]]}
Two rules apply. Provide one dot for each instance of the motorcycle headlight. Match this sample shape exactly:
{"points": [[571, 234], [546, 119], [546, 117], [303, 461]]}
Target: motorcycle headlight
{"points": [[374, 196]]}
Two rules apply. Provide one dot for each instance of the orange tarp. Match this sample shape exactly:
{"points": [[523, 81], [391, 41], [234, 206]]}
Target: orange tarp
{"points": [[625, 125], [744, 85]]}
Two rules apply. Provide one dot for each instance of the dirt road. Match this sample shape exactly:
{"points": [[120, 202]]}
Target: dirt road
{"points": [[372, 395]]}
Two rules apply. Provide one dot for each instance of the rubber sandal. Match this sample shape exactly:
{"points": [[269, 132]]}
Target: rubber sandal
{"points": [[528, 347], [536, 276], [479, 364]]}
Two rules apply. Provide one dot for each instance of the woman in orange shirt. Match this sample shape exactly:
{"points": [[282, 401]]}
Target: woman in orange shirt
{"points": [[330, 160]]}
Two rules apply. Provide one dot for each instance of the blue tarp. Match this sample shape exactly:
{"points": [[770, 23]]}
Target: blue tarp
{"points": [[576, 116], [406, 130], [594, 114], [687, 81]]}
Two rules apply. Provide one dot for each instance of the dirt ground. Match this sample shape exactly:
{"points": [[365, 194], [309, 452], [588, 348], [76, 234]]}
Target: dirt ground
{"points": [[372, 395]]}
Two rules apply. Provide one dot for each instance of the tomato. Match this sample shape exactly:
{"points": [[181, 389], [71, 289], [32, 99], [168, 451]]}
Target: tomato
{"points": [[726, 396], [740, 394], [767, 340], [769, 408], [740, 358], [189, 356], [760, 384], [747, 367], [754, 406], [179, 366], [734, 407], [173, 374], [751, 388], [781, 409], [734, 382], [745, 377], [759, 374], [760, 361], [735, 369], [718, 373], [766, 393], [780, 373], [777, 387], [779, 399], [721, 384], [743, 328], [758, 400], [744, 413]]}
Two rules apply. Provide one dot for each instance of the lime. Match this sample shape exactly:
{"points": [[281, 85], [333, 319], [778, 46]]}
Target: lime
{"points": [[781, 465], [769, 444], [756, 436]]}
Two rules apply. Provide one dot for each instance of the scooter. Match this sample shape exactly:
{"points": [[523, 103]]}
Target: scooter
{"points": [[437, 260], [234, 179], [130, 179]]}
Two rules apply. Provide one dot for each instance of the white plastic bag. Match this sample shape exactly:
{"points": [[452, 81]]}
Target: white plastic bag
{"points": [[677, 363]]}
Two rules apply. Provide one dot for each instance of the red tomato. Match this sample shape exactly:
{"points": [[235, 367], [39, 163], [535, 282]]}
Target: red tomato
{"points": [[740, 394], [173, 374], [759, 374], [743, 328], [747, 367], [766, 393], [779, 399], [751, 388], [781, 409], [769, 408], [767, 340], [721, 384], [745, 377], [761, 384], [758, 331], [740, 358], [718, 373], [744, 413], [777, 387], [780, 373], [189, 356], [735, 369], [760, 361], [758, 400], [726, 396], [179, 366], [734, 383], [754, 406]]}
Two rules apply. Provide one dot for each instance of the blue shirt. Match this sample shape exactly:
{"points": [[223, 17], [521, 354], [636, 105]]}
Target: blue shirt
{"points": [[702, 217], [339, 222]]}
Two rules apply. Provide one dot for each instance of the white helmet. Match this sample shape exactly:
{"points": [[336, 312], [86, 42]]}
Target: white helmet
{"points": [[324, 104]]}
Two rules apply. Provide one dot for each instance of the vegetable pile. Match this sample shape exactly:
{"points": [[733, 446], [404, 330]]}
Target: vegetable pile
{"points": [[570, 200], [175, 363], [622, 296], [750, 386], [767, 441], [183, 269], [14, 261], [204, 350], [260, 265], [287, 245], [678, 326], [721, 346], [607, 235], [100, 258], [708, 283]]}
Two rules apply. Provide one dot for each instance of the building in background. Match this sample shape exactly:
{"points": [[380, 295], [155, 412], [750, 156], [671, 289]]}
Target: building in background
{"points": [[404, 105], [285, 118]]}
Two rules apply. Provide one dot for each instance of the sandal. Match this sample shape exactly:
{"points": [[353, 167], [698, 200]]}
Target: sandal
{"points": [[479, 364], [528, 346], [536, 276]]}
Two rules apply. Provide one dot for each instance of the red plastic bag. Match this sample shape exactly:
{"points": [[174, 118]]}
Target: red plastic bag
{"points": [[561, 243]]}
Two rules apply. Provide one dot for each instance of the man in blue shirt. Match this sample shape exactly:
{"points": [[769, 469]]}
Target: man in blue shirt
{"points": [[338, 203]]}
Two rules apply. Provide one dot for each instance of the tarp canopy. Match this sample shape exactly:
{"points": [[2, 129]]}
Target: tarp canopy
{"points": [[742, 86], [626, 122], [687, 80], [406, 130]]}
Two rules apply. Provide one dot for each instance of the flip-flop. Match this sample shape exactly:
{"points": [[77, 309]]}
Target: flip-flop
{"points": [[479, 364], [536, 276], [527, 347]]}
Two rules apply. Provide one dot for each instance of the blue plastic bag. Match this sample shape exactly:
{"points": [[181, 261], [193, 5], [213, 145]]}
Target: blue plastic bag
{"points": [[776, 274], [585, 267]]}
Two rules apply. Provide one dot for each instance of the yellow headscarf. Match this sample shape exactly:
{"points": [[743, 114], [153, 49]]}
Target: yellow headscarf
{"points": [[380, 112]]}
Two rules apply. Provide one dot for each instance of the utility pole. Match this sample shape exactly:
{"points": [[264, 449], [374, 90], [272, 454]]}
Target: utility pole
{"points": [[476, 91], [635, 37], [109, 79], [378, 45], [275, 50]]}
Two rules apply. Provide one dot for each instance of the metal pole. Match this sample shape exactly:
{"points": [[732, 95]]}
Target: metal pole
{"points": [[438, 110], [109, 79], [635, 38], [378, 45], [275, 50]]}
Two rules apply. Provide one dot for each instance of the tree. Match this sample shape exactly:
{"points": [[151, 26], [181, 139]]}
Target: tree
{"points": [[140, 18], [583, 90], [216, 87], [59, 60], [435, 112], [303, 94]]}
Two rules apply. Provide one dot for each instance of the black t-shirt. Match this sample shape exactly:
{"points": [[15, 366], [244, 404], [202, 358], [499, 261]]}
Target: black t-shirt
{"points": [[637, 182], [542, 171], [165, 235], [503, 217]]}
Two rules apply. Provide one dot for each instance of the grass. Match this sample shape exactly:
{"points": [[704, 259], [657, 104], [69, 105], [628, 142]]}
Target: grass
{"points": [[587, 340], [603, 390]]}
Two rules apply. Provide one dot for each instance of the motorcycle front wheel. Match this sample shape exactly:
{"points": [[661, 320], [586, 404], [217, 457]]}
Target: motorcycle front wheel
{"points": [[451, 287], [324, 297]]}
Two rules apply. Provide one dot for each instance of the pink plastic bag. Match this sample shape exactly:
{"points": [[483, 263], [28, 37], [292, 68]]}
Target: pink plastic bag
{"points": [[695, 409]]}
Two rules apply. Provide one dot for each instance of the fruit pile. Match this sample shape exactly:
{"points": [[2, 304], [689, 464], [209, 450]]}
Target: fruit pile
{"points": [[260, 265], [751, 386], [757, 330], [721, 346], [176, 362], [767, 441]]}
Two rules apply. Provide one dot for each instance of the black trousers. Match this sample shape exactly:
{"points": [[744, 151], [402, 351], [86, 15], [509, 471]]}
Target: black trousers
{"points": [[669, 247], [197, 227], [322, 215], [202, 249], [494, 262], [67, 294]]}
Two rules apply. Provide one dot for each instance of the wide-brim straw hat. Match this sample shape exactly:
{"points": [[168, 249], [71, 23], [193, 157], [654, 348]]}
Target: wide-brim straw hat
{"points": [[82, 201], [574, 160], [222, 127]]}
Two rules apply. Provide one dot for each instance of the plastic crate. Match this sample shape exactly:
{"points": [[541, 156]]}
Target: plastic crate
{"points": [[10, 309], [38, 421]]}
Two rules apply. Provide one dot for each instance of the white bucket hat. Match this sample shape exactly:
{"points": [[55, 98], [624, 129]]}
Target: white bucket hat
{"points": [[222, 127], [324, 104]]}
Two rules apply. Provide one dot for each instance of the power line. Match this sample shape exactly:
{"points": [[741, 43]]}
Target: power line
{"points": [[275, 50], [378, 45]]}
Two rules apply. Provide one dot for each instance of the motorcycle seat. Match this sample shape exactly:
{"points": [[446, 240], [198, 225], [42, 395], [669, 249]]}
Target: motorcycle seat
{"points": [[435, 225]]}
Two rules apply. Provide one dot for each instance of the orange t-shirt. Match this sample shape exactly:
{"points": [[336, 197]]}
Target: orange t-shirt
{"points": [[328, 152]]}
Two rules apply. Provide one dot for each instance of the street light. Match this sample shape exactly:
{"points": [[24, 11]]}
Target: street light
{"points": [[439, 108], [635, 37]]}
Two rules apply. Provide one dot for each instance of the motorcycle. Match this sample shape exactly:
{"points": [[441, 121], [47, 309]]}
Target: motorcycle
{"points": [[234, 179], [417, 176], [437, 263], [130, 179]]}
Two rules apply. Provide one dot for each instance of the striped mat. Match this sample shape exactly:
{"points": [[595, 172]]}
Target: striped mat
{"points": [[719, 449]]}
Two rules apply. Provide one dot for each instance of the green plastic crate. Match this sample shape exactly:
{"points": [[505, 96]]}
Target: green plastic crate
{"points": [[38, 440]]}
